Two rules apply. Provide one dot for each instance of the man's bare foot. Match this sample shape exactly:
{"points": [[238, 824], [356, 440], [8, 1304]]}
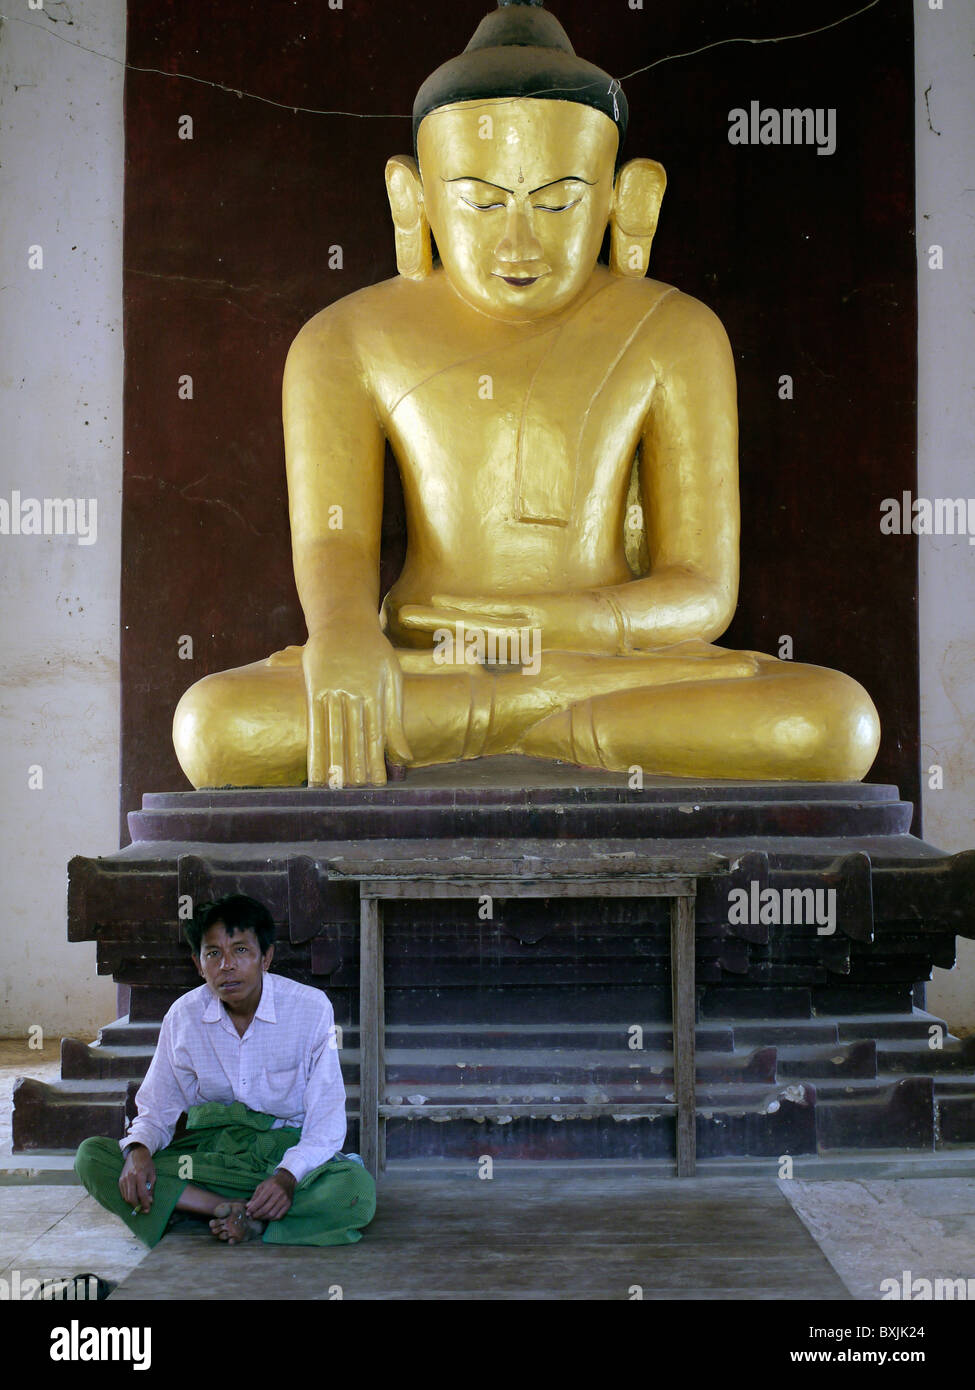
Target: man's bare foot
{"points": [[232, 1224]]}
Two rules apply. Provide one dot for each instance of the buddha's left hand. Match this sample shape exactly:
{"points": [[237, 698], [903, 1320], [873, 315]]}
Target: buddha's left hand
{"points": [[583, 621]]}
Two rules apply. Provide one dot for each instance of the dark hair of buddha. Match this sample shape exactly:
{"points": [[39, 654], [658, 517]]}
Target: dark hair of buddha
{"points": [[520, 50]]}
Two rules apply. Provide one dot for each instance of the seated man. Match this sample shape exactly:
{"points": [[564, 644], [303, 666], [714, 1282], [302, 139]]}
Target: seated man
{"points": [[251, 1057]]}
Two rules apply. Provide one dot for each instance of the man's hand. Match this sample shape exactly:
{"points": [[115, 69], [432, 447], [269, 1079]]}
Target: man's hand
{"points": [[273, 1198], [138, 1178], [354, 687]]}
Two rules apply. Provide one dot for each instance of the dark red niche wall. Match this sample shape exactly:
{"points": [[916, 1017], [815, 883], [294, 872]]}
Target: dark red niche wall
{"points": [[808, 259]]}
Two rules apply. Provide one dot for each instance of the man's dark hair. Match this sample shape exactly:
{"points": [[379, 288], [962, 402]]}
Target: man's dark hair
{"points": [[237, 913]]}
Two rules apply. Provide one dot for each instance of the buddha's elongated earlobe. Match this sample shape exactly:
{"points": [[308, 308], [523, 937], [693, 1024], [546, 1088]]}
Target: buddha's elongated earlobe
{"points": [[414, 247], [633, 221]]}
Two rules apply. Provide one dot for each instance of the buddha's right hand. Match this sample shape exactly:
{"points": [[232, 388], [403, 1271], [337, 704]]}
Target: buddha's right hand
{"points": [[354, 687]]}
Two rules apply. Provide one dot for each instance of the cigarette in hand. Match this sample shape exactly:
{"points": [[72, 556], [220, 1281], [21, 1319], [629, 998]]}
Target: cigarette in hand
{"points": [[137, 1210]]}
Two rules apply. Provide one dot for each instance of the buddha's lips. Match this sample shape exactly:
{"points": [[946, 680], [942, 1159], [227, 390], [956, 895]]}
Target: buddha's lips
{"points": [[520, 281]]}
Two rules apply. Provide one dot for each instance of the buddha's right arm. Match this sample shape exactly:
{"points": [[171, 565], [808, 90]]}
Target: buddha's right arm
{"points": [[334, 452], [334, 448]]}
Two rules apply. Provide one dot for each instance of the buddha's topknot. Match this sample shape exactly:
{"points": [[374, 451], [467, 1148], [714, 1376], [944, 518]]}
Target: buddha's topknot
{"points": [[521, 50]]}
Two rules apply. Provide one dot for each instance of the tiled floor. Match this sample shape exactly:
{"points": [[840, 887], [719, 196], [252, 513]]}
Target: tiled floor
{"points": [[542, 1235], [53, 1230], [872, 1231]]}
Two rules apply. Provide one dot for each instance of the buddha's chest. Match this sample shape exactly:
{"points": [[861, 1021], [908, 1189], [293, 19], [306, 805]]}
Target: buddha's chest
{"points": [[531, 431]]}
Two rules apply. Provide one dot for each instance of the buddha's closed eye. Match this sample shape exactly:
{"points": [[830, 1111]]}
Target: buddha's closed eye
{"points": [[559, 197], [487, 198], [538, 207]]}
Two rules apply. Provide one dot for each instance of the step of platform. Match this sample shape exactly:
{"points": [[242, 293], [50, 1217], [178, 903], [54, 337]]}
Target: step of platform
{"points": [[60, 1115], [662, 809], [745, 1117], [954, 1103], [899, 1055], [850, 1059], [465, 1064], [435, 1054], [837, 1093], [867, 1115], [789, 1128], [906, 1025], [711, 1036], [123, 1033], [94, 1061], [464, 1069]]}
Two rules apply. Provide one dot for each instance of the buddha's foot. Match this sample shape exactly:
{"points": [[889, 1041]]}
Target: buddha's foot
{"points": [[232, 1224], [790, 723]]}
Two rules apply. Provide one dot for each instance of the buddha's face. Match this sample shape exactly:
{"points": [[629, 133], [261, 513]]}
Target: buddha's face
{"points": [[518, 194]]}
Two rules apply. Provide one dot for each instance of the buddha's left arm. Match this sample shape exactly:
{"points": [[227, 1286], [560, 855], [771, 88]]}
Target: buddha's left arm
{"points": [[689, 486]]}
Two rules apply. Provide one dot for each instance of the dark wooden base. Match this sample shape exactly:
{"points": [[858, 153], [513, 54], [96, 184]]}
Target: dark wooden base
{"points": [[806, 1042]]}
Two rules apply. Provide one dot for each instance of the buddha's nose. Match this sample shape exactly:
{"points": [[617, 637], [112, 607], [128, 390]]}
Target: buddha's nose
{"points": [[519, 243]]}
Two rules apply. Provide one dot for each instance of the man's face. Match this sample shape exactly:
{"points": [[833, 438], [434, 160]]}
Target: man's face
{"points": [[233, 966], [518, 194]]}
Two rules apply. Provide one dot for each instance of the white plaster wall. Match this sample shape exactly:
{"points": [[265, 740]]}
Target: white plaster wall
{"points": [[61, 153], [945, 63], [61, 156]]}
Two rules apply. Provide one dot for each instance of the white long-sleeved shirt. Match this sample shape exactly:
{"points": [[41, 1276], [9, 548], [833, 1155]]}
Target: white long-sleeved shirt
{"points": [[285, 1065]]}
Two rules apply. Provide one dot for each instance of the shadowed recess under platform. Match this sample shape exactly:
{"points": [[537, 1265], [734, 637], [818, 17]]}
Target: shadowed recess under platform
{"points": [[522, 1235]]}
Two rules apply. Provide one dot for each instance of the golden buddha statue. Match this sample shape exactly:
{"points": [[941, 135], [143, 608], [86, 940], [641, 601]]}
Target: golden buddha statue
{"points": [[566, 435]]}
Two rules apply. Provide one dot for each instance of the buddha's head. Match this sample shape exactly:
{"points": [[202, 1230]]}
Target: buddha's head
{"points": [[518, 145]]}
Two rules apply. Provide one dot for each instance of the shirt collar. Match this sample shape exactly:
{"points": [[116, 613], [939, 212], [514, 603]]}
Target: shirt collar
{"points": [[214, 1010]]}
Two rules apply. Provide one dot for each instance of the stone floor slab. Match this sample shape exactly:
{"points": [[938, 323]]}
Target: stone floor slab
{"points": [[53, 1232], [874, 1231]]}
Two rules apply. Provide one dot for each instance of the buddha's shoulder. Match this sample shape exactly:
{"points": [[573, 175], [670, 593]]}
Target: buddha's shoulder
{"points": [[652, 303], [356, 317]]}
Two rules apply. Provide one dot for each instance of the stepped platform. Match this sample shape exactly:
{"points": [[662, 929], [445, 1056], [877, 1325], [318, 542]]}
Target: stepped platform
{"points": [[811, 1037]]}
